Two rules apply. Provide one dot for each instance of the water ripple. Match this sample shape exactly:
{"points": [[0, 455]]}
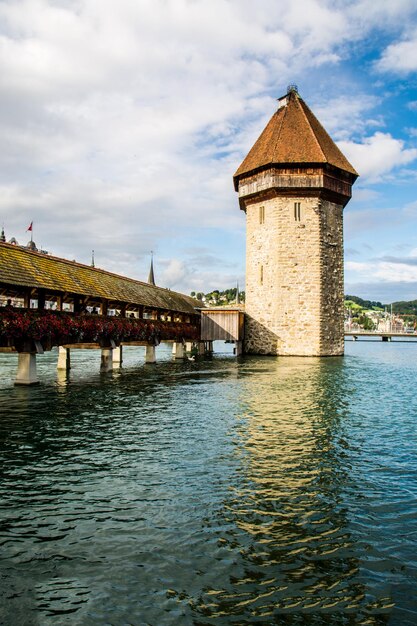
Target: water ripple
{"points": [[270, 491]]}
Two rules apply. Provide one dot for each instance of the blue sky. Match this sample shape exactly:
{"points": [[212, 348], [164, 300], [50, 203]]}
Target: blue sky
{"points": [[122, 125]]}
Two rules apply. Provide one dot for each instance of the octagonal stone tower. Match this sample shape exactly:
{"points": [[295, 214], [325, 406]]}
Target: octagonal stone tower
{"points": [[293, 186]]}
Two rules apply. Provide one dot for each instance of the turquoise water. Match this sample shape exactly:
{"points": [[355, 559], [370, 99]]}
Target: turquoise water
{"points": [[215, 492]]}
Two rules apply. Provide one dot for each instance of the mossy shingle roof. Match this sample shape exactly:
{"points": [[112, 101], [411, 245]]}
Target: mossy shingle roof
{"points": [[293, 136], [20, 267]]}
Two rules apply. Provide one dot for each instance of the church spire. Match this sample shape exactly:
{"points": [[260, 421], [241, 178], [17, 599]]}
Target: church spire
{"points": [[151, 277]]}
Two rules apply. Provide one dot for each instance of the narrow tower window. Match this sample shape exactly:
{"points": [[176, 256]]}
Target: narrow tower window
{"points": [[261, 214], [261, 275], [297, 211]]}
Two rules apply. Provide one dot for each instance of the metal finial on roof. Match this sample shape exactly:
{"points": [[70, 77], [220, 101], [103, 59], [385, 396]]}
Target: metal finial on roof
{"points": [[292, 88], [2, 236], [92, 259], [151, 277]]}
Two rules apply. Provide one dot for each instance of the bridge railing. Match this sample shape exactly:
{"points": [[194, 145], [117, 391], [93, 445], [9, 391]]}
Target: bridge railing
{"points": [[54, 328], [405, 333]]}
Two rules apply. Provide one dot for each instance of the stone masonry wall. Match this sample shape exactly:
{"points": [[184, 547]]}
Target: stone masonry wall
{"points": [[294, 277], [332, 298]]}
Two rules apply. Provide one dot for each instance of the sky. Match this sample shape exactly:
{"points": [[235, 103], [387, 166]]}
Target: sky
{"points": [[122, 123]]}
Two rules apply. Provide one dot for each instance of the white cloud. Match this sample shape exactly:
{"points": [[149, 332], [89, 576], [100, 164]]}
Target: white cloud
{"points": [[384, 271], [377, 155], [384, 14], [400, 56], [346, 115], [121, 124]]}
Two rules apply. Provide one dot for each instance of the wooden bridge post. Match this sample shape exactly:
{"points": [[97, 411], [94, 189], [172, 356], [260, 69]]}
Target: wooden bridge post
{"points": [[179, 350], [26, 299], [118, 356], [106, 360], [64, 358], [41, 298], [150, 356], [26, 369]]}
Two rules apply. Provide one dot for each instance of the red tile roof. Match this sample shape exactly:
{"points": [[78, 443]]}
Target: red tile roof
{"points": [[293, 136]]}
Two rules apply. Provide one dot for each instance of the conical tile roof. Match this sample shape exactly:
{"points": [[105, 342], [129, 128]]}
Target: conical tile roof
{"points": [[293, 136]]}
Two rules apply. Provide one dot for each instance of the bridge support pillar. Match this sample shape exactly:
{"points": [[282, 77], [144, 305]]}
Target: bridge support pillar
{"points": [[179, 350], [150, 356], [26, 369], [106, 360], [64, 358], [174, 349], [188, 347], [201, 348], [209, 347], [238, 349], [117, 356]]}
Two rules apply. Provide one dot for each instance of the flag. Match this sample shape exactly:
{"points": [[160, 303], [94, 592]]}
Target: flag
{"points": [[29, 227]]}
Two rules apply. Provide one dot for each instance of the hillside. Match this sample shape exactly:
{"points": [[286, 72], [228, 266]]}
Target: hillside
{"points": [[401, 308], [219, 298]]}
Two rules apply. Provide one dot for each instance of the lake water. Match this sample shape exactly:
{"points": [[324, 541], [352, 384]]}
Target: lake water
{"points": [[216, 492]]}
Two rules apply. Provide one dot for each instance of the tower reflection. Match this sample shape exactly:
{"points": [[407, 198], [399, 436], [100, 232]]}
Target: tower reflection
{"points": [[287, 528]]}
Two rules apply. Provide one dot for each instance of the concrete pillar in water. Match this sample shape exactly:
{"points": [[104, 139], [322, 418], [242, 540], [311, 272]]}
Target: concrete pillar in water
{"points": [[106, 360], [174, 349], [179, 350], [64, 358], [188, 347], [117, 356], [238, 348], [150, 354], [26, 369]]}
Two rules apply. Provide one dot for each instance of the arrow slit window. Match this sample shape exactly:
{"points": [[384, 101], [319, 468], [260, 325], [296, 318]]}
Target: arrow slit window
{"points": [[297, 211]]}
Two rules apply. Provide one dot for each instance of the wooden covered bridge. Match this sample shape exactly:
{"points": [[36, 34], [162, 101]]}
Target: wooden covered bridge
{"points": [[51, 301]]}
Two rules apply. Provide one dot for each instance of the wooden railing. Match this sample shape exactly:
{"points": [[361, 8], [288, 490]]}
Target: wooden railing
{"points": [[20, 327]]}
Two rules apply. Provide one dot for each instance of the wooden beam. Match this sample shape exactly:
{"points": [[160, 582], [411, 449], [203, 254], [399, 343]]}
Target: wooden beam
{"points": [[41, 298]]}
